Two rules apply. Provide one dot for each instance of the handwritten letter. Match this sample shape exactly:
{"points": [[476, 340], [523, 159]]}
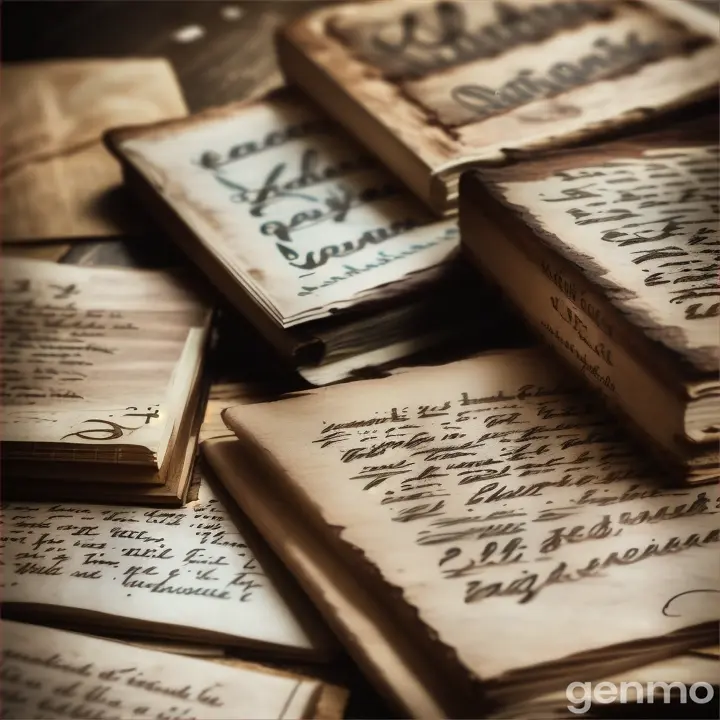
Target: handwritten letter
{"points": [[49, 673], [188, 570], [88, 353], [507, 507]]}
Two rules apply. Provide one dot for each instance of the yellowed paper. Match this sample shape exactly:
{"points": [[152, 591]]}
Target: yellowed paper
{"points": [[190, 573], [58, 181], [51, 673], [97, 357], [434, 87], [301, 216], [649, 228], [492, 492]]}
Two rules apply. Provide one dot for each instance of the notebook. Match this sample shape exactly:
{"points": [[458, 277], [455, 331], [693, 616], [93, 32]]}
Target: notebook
{"points": [[612, 255], [102, 386], [303, 232], [433, 87], [197, 576], [52, 673], [479, 523], [58, 180]]}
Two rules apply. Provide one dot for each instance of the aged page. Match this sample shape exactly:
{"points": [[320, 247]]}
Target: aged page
{"points": [[51, 673], [298, 213], [466, 81], [493, 493], [93, 356], [188, 573], [58, 180], [647, 230]]}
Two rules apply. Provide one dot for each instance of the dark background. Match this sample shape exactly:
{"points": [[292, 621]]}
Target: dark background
{"points": [[233, 60]]}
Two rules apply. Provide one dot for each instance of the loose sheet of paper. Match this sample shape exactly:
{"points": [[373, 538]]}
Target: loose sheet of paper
{"points": [[650, 226], [296, 210], [58, 180], [507, 508], [50, 673], [92, 355], [188, 570]]}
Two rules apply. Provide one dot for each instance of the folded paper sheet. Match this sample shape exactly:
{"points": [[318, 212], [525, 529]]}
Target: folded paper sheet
{"points": [[58, 180]]}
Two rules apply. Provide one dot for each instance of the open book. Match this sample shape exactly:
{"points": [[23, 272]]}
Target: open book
{"points": [[101, 383], [319, 247], [612, 254], [197, 575], [58, 181], [488, 533], [432, 87], [52, 673]]}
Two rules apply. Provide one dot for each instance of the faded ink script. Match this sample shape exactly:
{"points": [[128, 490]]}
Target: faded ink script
{"points": [[607, 57], [321, 186], [493, 493], [564, 66], [189, 567], [652, 226], [301, 212], [445, 34], [50, 673], [499, 487], [75, 370], [467, 62]]}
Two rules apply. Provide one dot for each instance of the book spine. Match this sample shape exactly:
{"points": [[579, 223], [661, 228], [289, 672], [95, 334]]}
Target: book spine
{"points": [[572, 316]]}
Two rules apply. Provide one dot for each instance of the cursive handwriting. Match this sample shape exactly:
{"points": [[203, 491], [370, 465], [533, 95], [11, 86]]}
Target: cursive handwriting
{"points": [[609, 57], [424, 41]]}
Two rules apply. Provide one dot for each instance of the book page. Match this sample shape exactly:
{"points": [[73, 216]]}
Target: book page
{"points": [[493, 494], [296, 210], [51, 673], [647, 230], [58, 180], [190, 572], [90, 355]]}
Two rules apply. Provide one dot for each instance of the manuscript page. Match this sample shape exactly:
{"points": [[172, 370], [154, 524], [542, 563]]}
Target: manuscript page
{"points": [[298, 213], [58, 180], [492, 494], [94, 356], [51, 673], [190, 572]]}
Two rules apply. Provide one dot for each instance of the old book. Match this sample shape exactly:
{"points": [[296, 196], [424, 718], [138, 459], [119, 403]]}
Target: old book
{"points": [[612, 255], [197, 577], [58, 181], [102, 384], [432, 87], [318, 246], [476, 525], [52, 673]]}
